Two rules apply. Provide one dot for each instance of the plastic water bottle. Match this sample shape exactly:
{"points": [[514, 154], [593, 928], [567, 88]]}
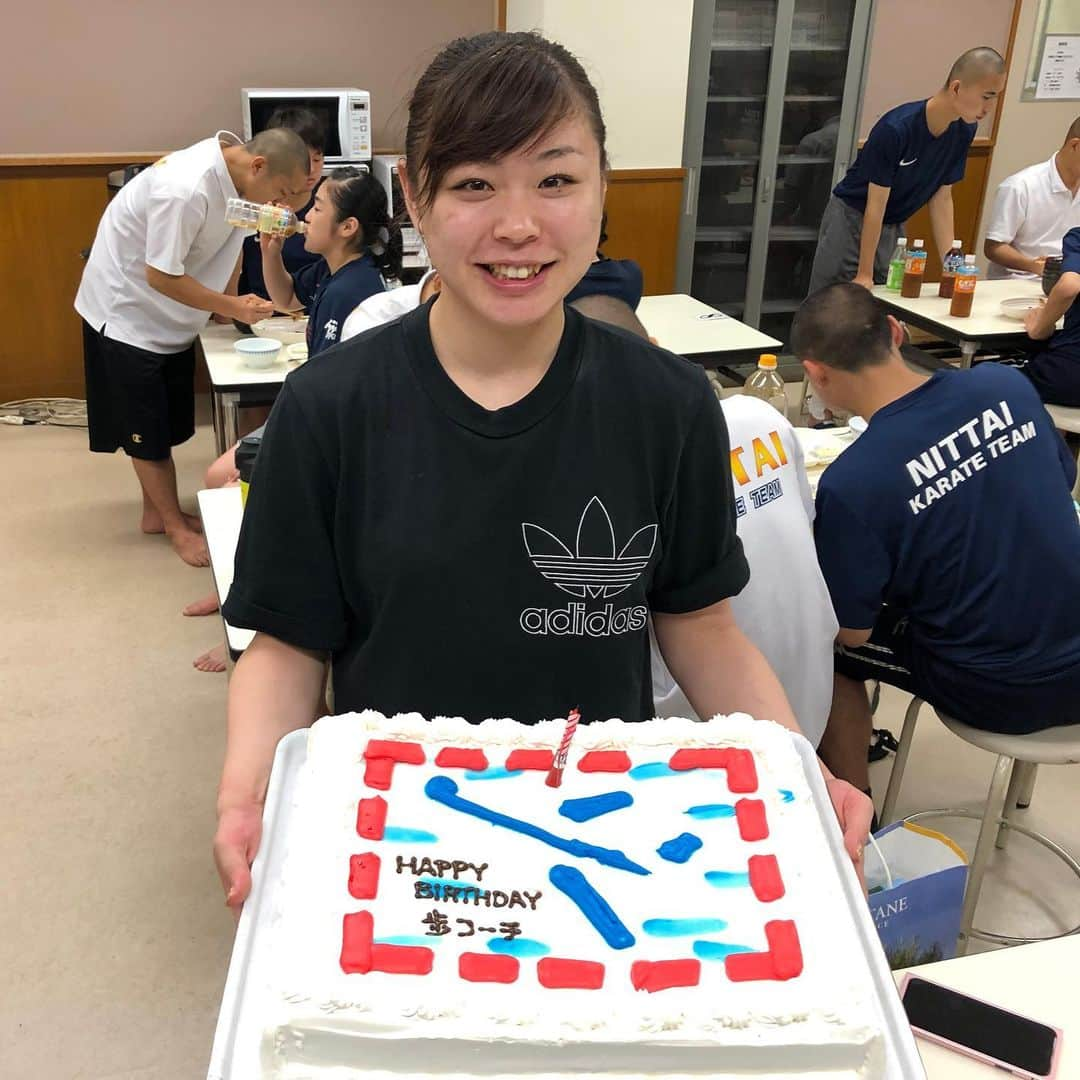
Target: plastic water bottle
{"points": [[764, 382], [949, 266], [914, 271], [265, 217], [896, 265], [964, 292]]}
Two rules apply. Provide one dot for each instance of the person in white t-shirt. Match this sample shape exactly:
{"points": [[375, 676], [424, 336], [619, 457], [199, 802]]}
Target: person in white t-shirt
{"points": [[1033, 210], [785, 609], [162, 261]]}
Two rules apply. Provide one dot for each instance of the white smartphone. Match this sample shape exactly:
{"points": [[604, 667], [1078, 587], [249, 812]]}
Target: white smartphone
{"points": [[1017, 1044]]}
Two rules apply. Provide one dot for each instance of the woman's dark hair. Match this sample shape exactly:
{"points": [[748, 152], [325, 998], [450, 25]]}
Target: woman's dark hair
{"points": [[356, 193], [305, 122], [485, 96]]}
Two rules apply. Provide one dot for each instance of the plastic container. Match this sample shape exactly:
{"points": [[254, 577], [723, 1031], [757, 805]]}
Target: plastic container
{"points": [[264, 217], [896, 265], [914, 271], [964, 292], [950, 264], [765, 383], [1051, 273]]}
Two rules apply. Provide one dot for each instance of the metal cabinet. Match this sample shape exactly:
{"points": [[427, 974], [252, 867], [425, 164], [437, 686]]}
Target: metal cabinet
{"points": [[772, 106]]}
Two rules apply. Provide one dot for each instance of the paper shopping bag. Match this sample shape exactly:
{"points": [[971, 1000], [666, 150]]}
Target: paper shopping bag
{"points": [[917, 912]]}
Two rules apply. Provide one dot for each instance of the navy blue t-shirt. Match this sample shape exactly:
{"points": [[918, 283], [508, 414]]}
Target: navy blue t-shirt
{"points": [[620, 278], [954, 508], [293, 254], [902, 155], [330, 298], [1054, 366]]}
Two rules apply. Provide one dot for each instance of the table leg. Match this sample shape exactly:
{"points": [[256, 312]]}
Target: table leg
{"points": [[230, 420], [968, 349], [219, 422]]}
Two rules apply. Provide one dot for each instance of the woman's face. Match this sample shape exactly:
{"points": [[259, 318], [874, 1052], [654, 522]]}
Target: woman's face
{"points": [[512, 238], [321, 227]]}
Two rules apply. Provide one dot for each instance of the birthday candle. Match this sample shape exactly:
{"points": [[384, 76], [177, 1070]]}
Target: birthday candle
{"points": [[554, 776]]}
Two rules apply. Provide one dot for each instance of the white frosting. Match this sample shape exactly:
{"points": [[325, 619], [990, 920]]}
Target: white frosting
{"points": [[822, 1023]]}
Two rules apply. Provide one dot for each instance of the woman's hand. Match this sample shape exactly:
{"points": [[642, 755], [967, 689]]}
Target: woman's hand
{"points": [[236, 842], [854, 811], [269, 244]]}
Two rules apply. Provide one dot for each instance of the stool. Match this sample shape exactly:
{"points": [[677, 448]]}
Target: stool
{"points": [[1067, 419], [1010, 787]]}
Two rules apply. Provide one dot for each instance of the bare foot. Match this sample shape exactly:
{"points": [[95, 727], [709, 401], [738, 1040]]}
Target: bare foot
{"points": [[213, 660], [153, 525], [190, 546], [206, 606]]}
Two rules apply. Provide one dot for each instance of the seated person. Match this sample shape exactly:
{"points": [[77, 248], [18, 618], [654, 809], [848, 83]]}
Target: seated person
{"points": [[385, 306], [946, 534], [312, 130], [620, 278], [785, 610], [1033, 210], [1054, 367], [349, 226]]}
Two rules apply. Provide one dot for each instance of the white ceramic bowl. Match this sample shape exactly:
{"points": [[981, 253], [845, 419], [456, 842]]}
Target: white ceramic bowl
{"points": [[857, 425], [282, 328], [258, 352], [1017, 307]]}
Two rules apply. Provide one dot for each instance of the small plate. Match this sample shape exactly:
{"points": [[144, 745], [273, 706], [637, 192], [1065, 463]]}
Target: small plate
{"points": [[1017, 307], [297, 351]]}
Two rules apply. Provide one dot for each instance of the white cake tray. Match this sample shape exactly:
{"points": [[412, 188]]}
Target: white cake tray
{"points": [[239, 1032]]}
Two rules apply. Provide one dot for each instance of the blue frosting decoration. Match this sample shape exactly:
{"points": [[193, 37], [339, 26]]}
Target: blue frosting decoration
{"points": [[787, 796], [523, 947], [593, 906], [727, 879], [708, 811], [679, 848], [409, 939], [399, 835], [717, 950], [667, 928], [650, 770], [438, 885], [494, 772], [442, 789], [594, 805]]}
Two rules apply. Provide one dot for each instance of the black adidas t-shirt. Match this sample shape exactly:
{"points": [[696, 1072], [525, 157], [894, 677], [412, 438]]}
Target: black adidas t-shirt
{"points": [[460, 561]]}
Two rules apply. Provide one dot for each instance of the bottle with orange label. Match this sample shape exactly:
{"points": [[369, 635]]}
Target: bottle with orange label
{"points": [[964, 290], [914, 271], [765, 383]]}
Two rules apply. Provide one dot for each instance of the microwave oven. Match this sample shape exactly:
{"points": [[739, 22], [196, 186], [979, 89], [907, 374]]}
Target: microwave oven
{"points": [[346, 112]]}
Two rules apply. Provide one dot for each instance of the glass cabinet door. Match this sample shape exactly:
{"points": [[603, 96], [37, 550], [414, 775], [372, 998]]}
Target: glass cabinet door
{"points": [[740, 57], [810, 126]]}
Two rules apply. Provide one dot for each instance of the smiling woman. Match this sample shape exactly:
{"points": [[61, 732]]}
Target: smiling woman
{"points": [[475, 509]]}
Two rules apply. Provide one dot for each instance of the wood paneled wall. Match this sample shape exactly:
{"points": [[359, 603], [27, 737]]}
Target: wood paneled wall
{"points": [[51, 211]]}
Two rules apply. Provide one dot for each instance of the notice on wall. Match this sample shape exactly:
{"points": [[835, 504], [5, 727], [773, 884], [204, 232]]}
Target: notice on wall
{"points": [[1059, 73]]}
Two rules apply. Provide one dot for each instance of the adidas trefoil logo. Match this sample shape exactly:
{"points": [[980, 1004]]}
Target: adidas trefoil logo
{"points": [[592, 569]]}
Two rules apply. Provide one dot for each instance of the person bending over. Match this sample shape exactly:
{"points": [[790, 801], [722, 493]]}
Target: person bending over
{"points": [[946, 534], [912, 157], [161, 263]]}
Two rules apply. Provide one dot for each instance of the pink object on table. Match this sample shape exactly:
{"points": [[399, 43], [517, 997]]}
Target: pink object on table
{"points": [[554, 777]]}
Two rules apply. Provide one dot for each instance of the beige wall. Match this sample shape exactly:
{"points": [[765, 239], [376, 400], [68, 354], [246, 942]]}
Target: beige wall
{"points": [[1029, 131], [914, 42], [637, 53], [130, 75]]}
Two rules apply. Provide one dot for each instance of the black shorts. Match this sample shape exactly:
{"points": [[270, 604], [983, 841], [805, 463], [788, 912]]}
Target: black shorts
{"points": [[891, 656], [139, 401]]}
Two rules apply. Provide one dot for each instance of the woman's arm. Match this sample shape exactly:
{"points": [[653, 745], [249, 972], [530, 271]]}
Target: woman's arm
{"points": [[1041, 320], [275, 689], [279, 284], [719, 669]]}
